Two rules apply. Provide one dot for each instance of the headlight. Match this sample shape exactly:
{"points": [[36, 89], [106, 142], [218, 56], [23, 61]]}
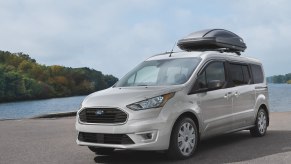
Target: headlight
{"points": [[154, 102]]}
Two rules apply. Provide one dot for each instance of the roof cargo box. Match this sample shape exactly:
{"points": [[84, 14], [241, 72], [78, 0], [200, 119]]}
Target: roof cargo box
{"points": [[212, 39]]}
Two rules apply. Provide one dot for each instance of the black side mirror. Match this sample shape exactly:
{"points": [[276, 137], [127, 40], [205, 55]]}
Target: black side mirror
{"points": [[212, 85], [215, 84]]}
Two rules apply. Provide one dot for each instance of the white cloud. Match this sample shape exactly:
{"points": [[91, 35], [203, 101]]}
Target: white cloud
{"points": [[114, 36]]}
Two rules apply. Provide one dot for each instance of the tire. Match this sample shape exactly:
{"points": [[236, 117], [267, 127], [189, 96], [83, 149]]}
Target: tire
{"points": [[184, 139], [101, 150], [260, 128]]}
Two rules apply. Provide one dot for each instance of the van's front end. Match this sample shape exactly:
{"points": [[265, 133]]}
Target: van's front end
{"points": [[139, 111], [126, 118]]}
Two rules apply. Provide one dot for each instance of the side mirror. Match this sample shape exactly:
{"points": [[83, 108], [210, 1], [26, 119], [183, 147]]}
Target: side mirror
{"points": [[212, 85], [215, 84]]}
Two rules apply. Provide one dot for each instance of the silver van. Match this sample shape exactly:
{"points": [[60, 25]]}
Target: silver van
{"points": [[172, 100]]}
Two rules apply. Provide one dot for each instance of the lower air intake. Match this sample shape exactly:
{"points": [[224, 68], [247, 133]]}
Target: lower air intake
{"points": [[104, 138]]}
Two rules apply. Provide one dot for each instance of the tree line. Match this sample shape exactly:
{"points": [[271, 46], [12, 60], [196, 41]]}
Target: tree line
{"points": [[22, 78], [280, 78]]}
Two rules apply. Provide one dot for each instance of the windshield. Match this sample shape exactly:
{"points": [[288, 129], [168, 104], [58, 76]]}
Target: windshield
{"points": [[160, 72]]}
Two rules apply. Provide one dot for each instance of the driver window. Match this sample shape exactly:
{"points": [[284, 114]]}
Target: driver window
{"points": [[214, 71]]}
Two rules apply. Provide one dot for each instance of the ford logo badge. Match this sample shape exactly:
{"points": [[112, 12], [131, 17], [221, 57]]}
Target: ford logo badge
{"points": [[99, 112]]}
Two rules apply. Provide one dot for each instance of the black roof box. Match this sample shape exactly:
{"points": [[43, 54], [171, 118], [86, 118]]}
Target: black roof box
{"points": [[212, 39]]}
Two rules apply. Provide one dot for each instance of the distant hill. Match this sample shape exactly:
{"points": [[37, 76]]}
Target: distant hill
{"points": [[280, 78], [22, 78]]}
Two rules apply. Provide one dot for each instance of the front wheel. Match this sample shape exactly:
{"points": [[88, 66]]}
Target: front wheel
{"points": [[101, 150], [260, 128], [184, 139]]}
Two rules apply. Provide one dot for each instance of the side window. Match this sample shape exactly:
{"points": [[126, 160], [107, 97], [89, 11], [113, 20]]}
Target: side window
{"points": [[214, 71], [236, 74], [257, 74], [246, 72], [239, 74], [201, 81]]}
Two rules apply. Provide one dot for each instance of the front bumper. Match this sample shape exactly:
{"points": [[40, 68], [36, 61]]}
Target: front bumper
{"points": [[147, 134]]}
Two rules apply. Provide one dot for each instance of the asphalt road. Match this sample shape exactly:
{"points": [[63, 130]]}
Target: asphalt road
{"points": [[52, 141]]}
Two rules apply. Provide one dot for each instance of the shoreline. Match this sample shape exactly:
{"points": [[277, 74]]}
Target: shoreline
{"points": [[40, 99], [55, 115], [49, 115]]}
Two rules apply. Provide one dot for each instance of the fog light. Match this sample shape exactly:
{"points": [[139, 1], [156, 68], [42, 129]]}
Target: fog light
{"points": [[148, 136]]}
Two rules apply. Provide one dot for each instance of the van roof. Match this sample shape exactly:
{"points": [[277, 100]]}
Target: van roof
{"points": [[204, 55]]}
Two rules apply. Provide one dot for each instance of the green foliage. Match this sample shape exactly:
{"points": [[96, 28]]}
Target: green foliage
{"points": [[280, 78], [21, 78], [110, 80], [2, 82]]}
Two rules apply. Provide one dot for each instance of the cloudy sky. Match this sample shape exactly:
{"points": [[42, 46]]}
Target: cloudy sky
{"points": [[114, 36]]}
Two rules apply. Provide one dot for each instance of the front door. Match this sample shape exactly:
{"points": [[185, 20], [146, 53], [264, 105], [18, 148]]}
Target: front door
{"points": [[215, 105]]}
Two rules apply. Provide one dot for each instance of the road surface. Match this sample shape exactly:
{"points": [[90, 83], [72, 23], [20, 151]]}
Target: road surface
{"points": [[52, 141]]}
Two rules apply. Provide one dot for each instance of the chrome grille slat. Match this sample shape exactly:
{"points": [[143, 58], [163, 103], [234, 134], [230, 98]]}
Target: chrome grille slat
{"points": [[109, 116]]}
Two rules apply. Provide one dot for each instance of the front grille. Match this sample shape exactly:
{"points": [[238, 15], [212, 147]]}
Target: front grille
{"points": [[102, 115], [104, 138]]}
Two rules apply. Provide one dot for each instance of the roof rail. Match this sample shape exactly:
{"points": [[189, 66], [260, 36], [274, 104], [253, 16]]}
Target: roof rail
{"points": [[221, 50]]}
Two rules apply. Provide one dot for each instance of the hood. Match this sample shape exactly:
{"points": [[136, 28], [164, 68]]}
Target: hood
{"points": [[122, 96]]}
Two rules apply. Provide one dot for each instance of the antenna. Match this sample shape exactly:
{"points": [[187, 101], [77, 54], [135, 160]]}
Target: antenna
{"points": [[172, 49]]}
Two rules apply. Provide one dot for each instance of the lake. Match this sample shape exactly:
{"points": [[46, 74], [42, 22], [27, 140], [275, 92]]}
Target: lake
{"points": [[280, 101], [28, 109], [280, 97]]}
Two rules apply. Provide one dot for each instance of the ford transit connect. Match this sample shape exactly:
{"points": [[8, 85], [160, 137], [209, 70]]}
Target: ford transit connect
{"points": [[172, 100]]}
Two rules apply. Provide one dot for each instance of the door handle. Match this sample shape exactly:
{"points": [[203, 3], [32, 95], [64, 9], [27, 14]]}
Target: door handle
{"points": [[227, 95], [236, 94]]}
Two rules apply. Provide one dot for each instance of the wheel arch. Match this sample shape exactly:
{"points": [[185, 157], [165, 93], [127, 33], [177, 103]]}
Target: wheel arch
{"points": [[265, 108], [190, 115]]}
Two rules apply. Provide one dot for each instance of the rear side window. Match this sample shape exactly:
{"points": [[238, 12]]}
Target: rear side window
{"points": [[257, 73], [246, 72], [239, 73]]}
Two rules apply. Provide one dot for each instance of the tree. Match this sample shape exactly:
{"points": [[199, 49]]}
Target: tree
{"points": [[24, 66], [110, 80], [22, 78], [2, 83], [279, 79], [288, 77], [12, 88], [56, 70]]}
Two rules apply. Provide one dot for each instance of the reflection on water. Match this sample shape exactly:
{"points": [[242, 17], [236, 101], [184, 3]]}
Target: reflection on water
{"points": [[27, 109], [280, 100]]}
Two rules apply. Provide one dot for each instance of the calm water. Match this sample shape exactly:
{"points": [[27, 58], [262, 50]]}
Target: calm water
{"points": [[280, 100], [280, 97], [28, 109]]}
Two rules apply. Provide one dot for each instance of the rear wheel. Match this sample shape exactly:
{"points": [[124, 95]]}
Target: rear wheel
{"points": [[184, 139], [260, 128], [101, 150]]}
